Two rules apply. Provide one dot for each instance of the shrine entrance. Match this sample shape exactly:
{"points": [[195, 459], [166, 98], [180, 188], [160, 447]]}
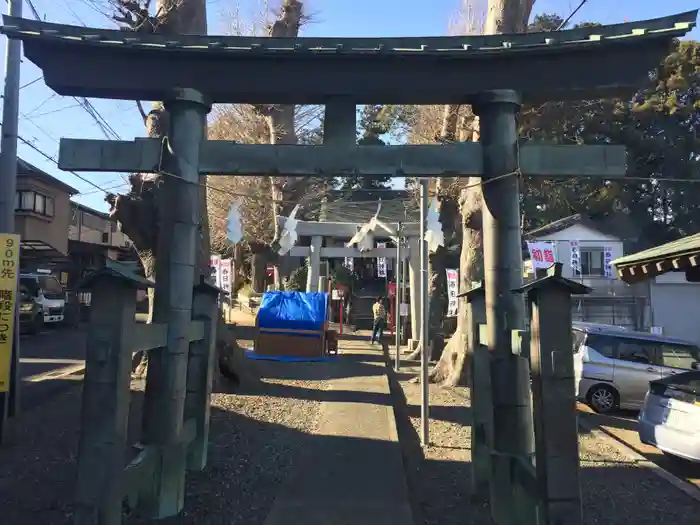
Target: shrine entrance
{"points": [[495, 74]]}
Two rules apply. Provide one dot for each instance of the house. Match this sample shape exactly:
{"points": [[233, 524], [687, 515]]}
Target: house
{"points": [[42, 216], [672, 273], [585, 248], [93, 236]]}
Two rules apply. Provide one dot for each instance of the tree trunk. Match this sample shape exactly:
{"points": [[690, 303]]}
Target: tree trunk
{"points": [[504, 16], [281, 122], [137, 211]]}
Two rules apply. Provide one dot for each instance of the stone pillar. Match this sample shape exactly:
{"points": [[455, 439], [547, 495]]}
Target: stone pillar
{"points": [[314, 263], [513, 433], [200, 373], [176, 257], [105, 405], [414, 277]]}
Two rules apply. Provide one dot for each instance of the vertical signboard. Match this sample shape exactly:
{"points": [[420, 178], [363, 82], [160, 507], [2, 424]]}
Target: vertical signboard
{"points": [[607, 256], [215, 263], [381, 262], [575, 257], [225, 271], [452, 290], [9, 267]]}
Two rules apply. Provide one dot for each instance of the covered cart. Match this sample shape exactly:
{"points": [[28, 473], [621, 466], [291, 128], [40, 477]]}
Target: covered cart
{"points": [[292, 324]]}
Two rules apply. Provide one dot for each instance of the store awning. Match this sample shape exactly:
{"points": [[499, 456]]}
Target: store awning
{"points": [[682, 255]]}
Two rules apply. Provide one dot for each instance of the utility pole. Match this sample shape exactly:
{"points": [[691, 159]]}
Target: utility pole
{"points": [[425, 347], [8, 185]]}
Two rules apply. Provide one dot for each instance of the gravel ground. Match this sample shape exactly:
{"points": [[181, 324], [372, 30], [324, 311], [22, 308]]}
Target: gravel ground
{"points": [[615, 490], [256, 436]]}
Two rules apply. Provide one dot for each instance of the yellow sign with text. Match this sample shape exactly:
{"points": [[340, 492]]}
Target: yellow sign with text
{"points": [[9, 273]]}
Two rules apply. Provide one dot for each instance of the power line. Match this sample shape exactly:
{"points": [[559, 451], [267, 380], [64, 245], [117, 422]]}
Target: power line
{"points": [[83, 102], [568, 18], [49, 157]]}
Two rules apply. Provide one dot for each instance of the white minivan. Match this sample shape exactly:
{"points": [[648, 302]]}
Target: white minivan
{"points": [[613, 366]]}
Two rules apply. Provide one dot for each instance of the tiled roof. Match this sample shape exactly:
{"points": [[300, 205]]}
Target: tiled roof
{"points": [[360, 207], [685, 246]]}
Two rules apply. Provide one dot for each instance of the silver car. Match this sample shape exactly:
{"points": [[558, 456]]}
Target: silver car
{"points": [[613, 366], [670, 419]]}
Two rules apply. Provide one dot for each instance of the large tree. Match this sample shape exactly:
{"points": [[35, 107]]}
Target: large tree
{"points": [[375, 123], [503, 16], [137, 211], [658, 126]]}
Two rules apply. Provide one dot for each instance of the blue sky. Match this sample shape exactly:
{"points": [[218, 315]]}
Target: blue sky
{"points": [[45, 116]]}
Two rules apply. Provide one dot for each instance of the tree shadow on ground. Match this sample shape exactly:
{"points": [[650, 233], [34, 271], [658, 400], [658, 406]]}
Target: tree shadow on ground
{"points": [[250, 460]]}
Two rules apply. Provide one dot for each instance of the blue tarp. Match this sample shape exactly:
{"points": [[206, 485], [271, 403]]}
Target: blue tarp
{"points": [[293, 310], [291, 359]]}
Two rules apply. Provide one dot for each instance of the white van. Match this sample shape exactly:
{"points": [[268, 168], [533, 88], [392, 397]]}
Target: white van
{"points": [[48, 293]]}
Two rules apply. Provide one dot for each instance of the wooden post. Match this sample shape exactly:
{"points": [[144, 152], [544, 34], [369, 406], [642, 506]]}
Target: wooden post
{"points": [[200, 366], [479, 368], [556, 432], [106, 395]]}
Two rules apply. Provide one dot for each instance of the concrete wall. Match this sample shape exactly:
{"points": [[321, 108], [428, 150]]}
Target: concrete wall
{"points": [[674, 305], [33, 226]]}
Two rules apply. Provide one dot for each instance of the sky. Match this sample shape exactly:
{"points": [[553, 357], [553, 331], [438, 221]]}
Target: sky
{"points": [[46, 117]]}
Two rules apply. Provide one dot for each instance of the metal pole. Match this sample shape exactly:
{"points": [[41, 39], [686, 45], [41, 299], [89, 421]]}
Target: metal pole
{"points": [[8, 186], [513, 433], [425, 347], [397, 308]]}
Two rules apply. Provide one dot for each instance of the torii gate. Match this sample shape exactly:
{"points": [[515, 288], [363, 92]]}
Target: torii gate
{"points": [[315, 252], [493, 73]]}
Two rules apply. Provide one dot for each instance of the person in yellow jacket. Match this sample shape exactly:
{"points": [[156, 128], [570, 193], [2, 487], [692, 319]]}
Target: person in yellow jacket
{"points": [[379, 313]]}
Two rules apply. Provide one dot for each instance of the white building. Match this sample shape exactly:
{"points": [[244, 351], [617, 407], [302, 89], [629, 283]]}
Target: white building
{"points": [[611, 301]]}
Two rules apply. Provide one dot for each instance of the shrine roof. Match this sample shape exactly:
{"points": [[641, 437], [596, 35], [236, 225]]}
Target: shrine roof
{"points": [[393, 210], [572, 64]]}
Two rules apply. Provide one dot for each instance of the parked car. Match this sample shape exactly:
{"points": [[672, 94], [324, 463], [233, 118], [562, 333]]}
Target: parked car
{"points": [[614, 366], [670, 419], [31, 315], [48, 293]]}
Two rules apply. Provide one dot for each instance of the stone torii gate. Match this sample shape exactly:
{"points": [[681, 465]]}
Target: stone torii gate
{"points": [[493, 73]]}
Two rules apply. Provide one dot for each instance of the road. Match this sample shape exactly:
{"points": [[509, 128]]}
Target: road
{"points": [[50, 362], [622, 426]]}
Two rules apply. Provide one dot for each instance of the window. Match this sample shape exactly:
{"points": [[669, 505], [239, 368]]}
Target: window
{"points": [[39, 203], [592, 262], [679, 356], [603, 344], [105, 237], [32, 201], [49, 207], [638, 351], [51, 287]]}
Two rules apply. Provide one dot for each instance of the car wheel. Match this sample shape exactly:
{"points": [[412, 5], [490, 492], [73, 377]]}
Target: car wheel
{"points": [[603, 399]]}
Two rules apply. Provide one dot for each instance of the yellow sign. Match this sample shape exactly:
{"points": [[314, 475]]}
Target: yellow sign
{"points": [[9, 273]]}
